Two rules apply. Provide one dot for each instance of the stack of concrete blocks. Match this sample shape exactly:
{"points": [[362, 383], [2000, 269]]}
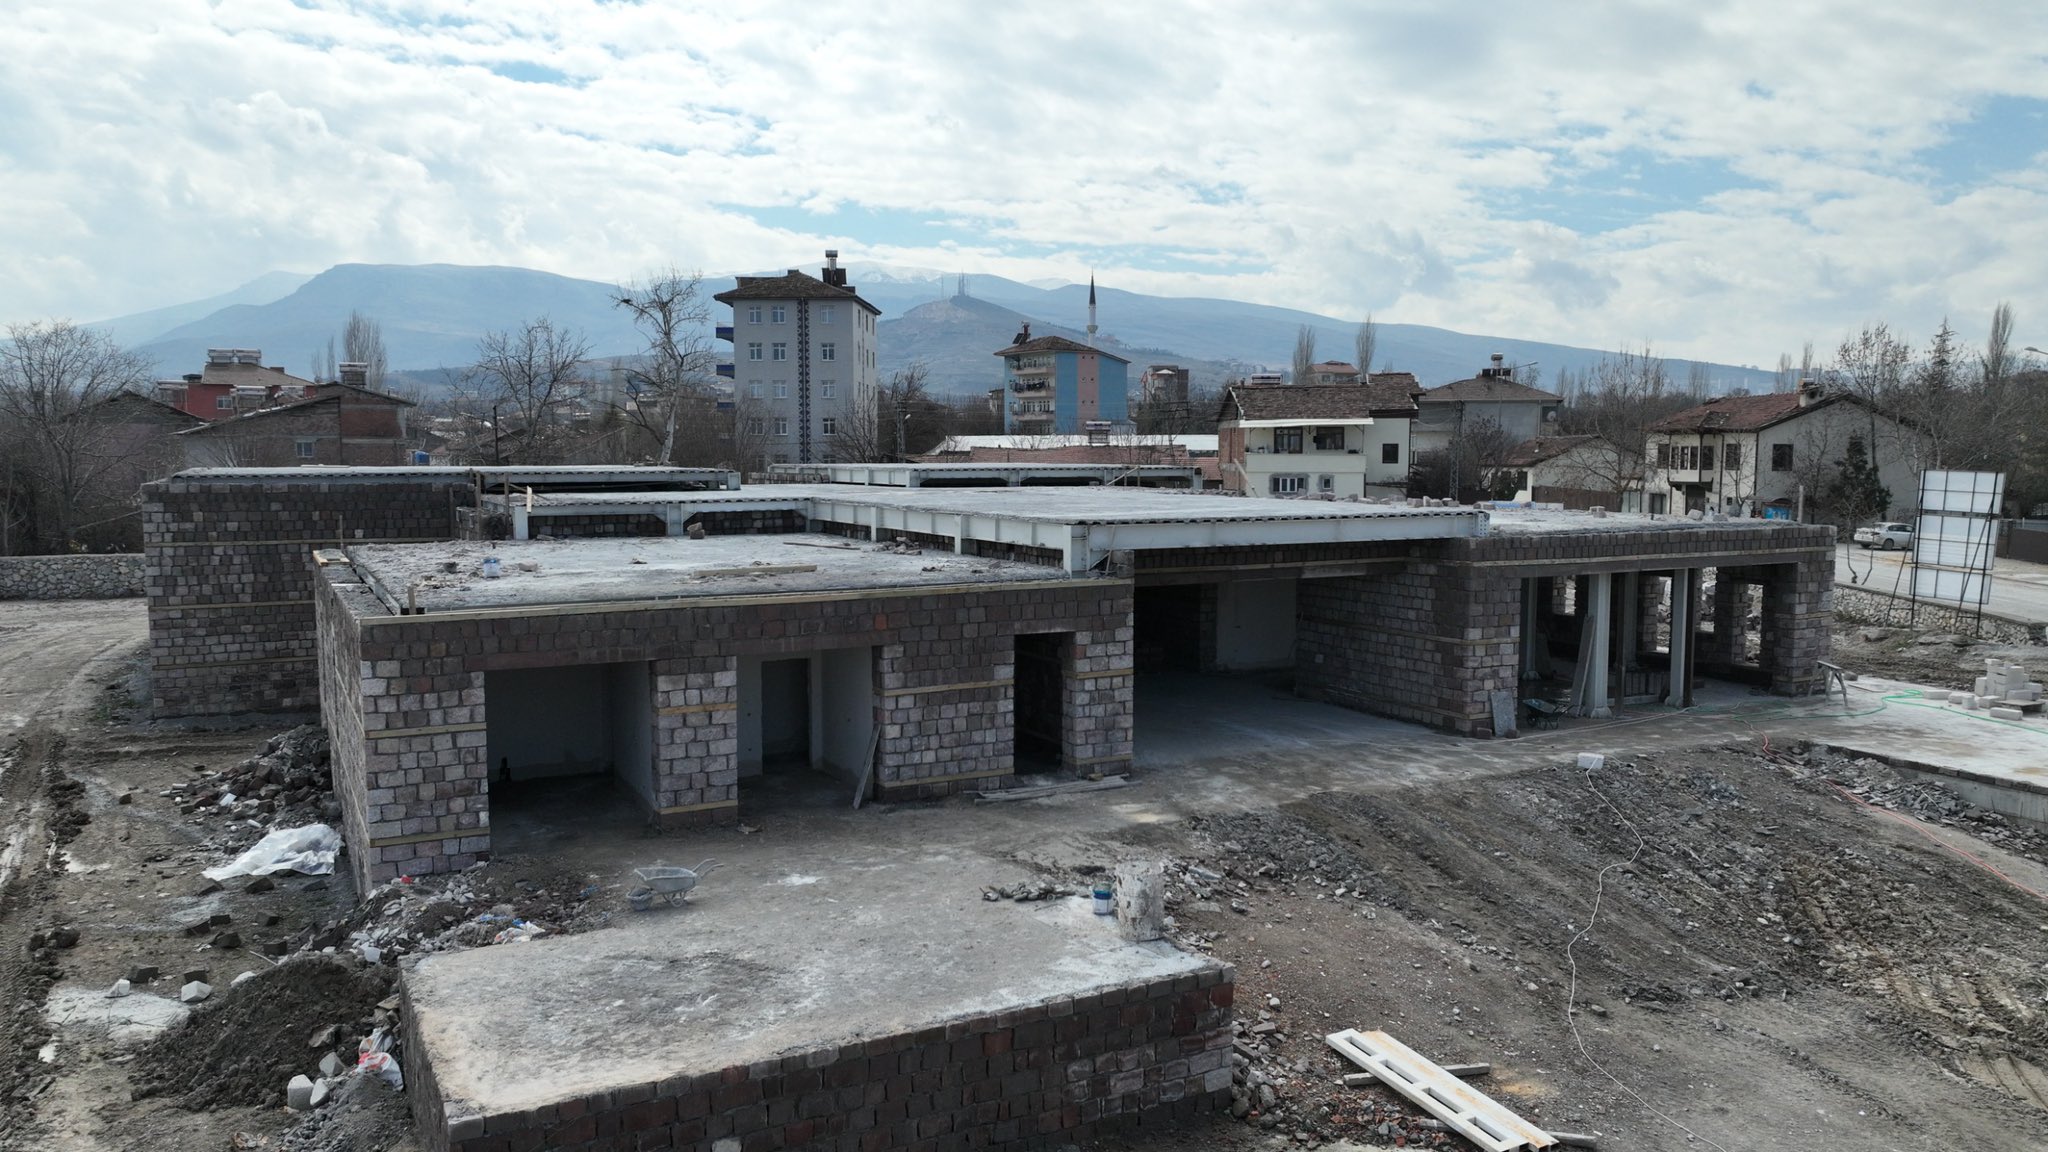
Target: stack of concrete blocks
{"points": [[696, 740], [1129, 1059], [2003, 689]]}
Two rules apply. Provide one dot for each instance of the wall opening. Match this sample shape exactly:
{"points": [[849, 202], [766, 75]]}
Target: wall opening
{"points": [[1040, 702], [803, 716], [785, 715], [589, 721], [1171, 628]]}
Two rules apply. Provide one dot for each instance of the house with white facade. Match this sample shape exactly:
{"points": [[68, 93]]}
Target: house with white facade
{"points": [[1317, 439], [1575, 471], [1770, 455], [803, 359], [1455, 412]]}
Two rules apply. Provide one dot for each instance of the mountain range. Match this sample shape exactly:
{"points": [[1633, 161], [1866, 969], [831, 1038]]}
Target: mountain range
{"points": [[432, 315]]}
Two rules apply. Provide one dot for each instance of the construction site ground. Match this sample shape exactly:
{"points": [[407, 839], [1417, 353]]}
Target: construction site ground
{"points": [[1720, 938]]}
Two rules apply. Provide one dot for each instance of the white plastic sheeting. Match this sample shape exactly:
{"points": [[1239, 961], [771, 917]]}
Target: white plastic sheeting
{"points": [[309, 850]]}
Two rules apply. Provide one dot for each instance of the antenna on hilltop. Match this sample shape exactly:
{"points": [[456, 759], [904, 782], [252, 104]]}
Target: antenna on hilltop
{"points": [[961, 281]]}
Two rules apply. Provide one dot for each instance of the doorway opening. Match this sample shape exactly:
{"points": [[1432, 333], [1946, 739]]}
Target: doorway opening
{"points": [[570, 734], [1039, 707]]}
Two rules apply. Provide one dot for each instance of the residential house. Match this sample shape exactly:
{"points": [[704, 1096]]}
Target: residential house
{"points": [[1099, 446], [339, 424], [1322, 439], [1769, 454], [1575, 471], [1058, 385], [234, 380], [1331, 372], [803, 359], [1163, 384], [1464, 410]]}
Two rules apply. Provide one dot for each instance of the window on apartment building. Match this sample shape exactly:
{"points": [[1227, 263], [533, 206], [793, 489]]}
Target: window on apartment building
{"points": [[1731, 456], [754, 352], [829, 426], [1781, 457], [303, 449], [1707, 457], [1390, 453], [827, 390], [779, 352], [1686, 457], [1326, 483], [1660, 503], [1288, 485], [782, 425], [782, 457], [782, 389], [1857, 447], [223, 401], [1286, 439], [753, 313], [1663, 455], [828, 351], [1329, 439], [778, 315], [754, 425], [827, 313], [754, 390]]}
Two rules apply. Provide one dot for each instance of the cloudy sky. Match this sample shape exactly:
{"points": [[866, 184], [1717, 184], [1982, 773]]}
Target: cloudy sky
{"points": [[1724, 179]]}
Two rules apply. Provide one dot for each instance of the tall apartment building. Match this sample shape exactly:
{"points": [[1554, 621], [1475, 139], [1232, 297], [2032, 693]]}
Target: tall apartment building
{"points": [[803, 360], [1058, 385]]}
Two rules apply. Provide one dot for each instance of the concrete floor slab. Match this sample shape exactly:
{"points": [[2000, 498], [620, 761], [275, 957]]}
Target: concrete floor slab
{"points": [[761, 962], [660, 568]]}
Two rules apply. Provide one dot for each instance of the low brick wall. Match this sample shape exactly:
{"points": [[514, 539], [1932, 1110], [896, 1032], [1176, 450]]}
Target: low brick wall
{"points": [[1865, 606], [98, 576], [1141, 1056]]}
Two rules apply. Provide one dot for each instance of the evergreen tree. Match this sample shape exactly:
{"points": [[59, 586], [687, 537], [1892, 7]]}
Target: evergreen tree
{"points": [[1856, 493]]}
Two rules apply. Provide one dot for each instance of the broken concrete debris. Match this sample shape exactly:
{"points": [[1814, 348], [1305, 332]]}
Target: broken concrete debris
{"points": [[194, 992]]}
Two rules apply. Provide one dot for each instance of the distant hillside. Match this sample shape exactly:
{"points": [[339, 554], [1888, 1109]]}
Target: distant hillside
{"points": [[144, 327], [432, 316]]}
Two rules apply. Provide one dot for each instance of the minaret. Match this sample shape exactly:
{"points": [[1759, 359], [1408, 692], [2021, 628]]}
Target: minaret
{"points": [[1091, 308]]}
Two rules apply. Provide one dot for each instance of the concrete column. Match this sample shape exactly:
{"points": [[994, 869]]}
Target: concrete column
{"points": [[521, 522], [960, 535], [1731, 620], [1628, 599], [1681, 636], [1649, 598], [1532, 636], [1098, 696], [1596, 647]]}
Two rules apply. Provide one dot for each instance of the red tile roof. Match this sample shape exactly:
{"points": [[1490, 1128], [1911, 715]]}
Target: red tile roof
{"points": [[1740, 413], [792, 285], [1055, 344], [1388, 395], [1537, 450]]}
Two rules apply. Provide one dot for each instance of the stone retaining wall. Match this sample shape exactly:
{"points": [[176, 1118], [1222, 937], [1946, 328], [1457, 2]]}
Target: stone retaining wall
{"points": [[1138, 1057], [90, 576], [1866, 606]]}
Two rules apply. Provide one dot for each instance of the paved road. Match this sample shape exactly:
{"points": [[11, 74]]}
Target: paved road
{"points": [[2018, 589]]}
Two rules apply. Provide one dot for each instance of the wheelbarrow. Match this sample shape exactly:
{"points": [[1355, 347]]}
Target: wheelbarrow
{"points": [[668, 884]]}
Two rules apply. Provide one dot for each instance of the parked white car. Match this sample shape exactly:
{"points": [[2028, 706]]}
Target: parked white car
{"points": [[1885, 537]]}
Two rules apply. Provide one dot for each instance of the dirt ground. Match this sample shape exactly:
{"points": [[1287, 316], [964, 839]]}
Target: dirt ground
{"points": [[1938, 659], [1774, 962]]}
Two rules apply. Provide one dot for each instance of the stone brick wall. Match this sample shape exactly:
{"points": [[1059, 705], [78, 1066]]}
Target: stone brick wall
{"points": [[943, 682], [230, 578], [90, 576], [1135, 1058], [1865, 606], [1797, 614], [1429, 643]]}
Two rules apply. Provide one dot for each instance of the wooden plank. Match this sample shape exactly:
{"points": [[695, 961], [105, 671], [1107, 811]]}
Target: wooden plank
{"points": [[1107, 782], [1464, 1109]]}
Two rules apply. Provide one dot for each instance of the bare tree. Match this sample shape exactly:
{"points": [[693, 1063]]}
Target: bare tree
{"points": [[1364, 345], [1617, 400], [673, 315], [1998, 354], [362, 342], [1304, 354], [531, 381], [55, 381], [903, 420]]}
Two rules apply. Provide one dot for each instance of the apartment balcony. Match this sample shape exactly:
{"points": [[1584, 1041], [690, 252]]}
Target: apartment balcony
{"points": [[1029, 385], [723, 332], [1031, 370], [1026, 410], [726, 370]]}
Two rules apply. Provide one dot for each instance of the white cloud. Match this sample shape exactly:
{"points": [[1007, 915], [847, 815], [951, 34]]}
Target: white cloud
{"points": [[1724, 179]]}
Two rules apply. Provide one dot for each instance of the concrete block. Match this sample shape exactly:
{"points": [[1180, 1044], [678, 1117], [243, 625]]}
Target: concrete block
{"points": [[321, 1090], [298, 1094], [195, 992], [332, 1065], [119, 990], [2002, 713]]}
